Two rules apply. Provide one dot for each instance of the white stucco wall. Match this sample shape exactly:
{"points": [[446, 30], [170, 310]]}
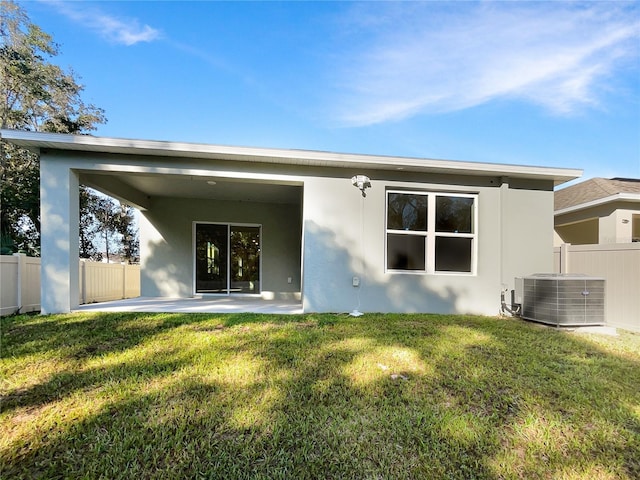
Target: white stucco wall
{"points": [[59, 247], [345, 237], [166, 243], [528, 227]]}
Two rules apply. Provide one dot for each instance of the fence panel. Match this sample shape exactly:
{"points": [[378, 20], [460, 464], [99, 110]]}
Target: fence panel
{"points": [[132, 281], [30, 285], [99, 282], [619, 265], [9, 285]]}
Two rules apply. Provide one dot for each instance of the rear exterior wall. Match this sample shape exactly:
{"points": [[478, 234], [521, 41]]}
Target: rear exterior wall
{"points": [[344, 237]]}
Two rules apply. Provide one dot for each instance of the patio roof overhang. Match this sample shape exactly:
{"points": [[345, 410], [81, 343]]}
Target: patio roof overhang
{"points": [[38, 141]]}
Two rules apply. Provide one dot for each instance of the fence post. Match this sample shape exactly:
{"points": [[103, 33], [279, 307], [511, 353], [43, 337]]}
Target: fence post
{"points": [[83, 282], [124, 280], [564, 257], [21, 257]]}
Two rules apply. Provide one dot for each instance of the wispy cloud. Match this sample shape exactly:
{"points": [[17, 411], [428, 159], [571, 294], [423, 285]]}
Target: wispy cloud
{"points": [[430, 58], [124, 31]]}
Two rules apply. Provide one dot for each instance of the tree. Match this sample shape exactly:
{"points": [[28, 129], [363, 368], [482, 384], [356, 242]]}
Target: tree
{"points": [[35, 95], [107, 218], [126, 228], [88, 228]]}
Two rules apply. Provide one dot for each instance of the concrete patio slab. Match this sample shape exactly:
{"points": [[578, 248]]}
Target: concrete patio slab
{"points": [[196, 305]]}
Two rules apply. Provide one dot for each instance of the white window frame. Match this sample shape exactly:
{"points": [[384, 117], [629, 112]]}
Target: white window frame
{"points": [[430, 234], [193, 255]]}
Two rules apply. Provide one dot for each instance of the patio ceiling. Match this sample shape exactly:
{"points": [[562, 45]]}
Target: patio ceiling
{"points": [[130, 188]]}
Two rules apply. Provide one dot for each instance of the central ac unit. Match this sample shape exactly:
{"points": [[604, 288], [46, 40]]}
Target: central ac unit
{"points": [[562, 300]]}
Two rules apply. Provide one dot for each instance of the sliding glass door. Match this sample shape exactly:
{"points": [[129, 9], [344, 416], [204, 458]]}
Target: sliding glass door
{"points": [[245, 259], [227, 258]]}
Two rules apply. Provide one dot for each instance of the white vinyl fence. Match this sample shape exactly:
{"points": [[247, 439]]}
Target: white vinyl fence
{"points": [[19, 284], [619, 265], [99, 282]]}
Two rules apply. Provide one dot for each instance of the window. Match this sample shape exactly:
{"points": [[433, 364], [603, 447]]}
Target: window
{"points": [[431, 232]]}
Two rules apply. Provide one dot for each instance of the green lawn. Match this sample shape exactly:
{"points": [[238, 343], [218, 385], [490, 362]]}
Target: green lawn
{"points": [[314, 396]]}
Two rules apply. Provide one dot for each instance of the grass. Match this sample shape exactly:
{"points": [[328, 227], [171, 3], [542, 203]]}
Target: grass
{"points": [[315, 396]]}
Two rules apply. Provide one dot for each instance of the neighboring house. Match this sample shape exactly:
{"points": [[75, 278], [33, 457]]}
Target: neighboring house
{"points": [[598, 211], [429, 236]]}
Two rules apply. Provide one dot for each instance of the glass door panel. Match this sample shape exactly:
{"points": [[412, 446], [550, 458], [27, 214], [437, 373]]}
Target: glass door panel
{"points": [[212, 248], [245, 259]]}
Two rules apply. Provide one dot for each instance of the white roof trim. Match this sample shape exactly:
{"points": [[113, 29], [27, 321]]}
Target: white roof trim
{"points": [[618, 197], [87, 143]]}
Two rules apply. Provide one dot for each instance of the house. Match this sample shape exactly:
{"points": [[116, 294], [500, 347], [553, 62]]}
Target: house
{"points": [[340, 232], [598, 211]]}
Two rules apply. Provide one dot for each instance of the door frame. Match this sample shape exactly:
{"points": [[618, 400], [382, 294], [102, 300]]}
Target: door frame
{"points": [[229, 225]]}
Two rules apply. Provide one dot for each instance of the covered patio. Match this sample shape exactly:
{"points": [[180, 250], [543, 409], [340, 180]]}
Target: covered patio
{"points": [[226, 304]]}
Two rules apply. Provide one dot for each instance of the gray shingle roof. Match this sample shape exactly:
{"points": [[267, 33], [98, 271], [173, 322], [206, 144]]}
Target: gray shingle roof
{"points": [[594, 189]]}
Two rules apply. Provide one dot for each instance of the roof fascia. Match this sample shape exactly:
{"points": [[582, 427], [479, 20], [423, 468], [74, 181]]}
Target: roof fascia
{"points": [[87, 143]]}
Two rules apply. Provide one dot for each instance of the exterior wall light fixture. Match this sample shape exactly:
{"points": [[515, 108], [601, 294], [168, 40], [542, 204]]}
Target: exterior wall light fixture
{"points": [[362, 182]]}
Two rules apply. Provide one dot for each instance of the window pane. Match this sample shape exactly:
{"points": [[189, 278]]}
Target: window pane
{"points": [[407, 212], [211, 258], [405, 252], [454, 214], [453, 254], [245, 259]]}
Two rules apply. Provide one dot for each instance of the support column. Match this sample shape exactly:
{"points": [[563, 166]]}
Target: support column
{"points": [[59, 218]]}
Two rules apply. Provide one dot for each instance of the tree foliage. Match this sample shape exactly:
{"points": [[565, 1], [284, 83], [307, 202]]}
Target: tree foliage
{"points": [[126, 227], [112, 225], [35, 95]]}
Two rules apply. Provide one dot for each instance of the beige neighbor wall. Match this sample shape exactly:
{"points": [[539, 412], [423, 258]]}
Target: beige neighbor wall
{"points": [[99, 282], [608, 223], [619, 265], [581, 233]]}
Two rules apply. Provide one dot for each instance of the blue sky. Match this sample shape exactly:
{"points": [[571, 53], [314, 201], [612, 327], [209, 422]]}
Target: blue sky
{"points": [[544, 83]]}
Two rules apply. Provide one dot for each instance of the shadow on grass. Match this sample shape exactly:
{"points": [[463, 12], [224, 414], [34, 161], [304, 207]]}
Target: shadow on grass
{"points": [[316, 396]]}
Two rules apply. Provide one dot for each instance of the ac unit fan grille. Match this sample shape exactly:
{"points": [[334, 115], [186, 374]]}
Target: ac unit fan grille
{"points": [[563, 301]]}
